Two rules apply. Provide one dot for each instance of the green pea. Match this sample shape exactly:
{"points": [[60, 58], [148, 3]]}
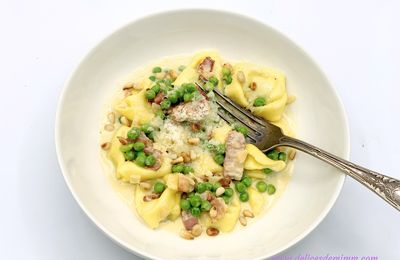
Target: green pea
{"points": [[271, 189], [138, 146], [129, 155], [165, 104], [228, 192], [179, 93], [177, 168], [173, 97], [282, 156], [146, 128], [195, 201], [273, 155], [151, 136], [188, 97], [226, 71], [228, 79], [156, 88], [157, 70], [208, 86], [181, 68], [150, 94], [213, 80], [152, 78], [141, 159], [196, 212], [185, 204], [126, 147], [209, 186], [219, 159], [201, 187], [247, 181], [210, 147], [159, 187], [226, 199], [267, 170], [191, 194], [168, 82], [187, 169], [150, 160], [215, 186], [205, 205], [241, 129], [133, 133], [244, 196], [258, 102], [261, 186], [160, 114], [240, 187], [219, 149], [189, 88]]}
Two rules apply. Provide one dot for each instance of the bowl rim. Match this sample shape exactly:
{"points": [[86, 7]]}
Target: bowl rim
{"points": [[233, 14]]}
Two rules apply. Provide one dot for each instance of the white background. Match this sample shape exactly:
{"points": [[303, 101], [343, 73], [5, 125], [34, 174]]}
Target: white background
{"points": [[357, 44]]}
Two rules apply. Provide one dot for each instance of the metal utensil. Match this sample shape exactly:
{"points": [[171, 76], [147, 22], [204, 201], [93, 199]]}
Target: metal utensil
{"points": [[267, 136]]}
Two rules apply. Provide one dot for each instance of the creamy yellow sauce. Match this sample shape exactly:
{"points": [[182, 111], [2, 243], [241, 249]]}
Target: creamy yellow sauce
{"points": [[126, 191]]}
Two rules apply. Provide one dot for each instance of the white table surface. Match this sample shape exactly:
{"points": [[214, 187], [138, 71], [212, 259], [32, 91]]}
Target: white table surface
{"points": [[357, 43]]}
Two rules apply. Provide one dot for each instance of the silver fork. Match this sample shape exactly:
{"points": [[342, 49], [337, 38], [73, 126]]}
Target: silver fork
{"points": [[267, 136]]}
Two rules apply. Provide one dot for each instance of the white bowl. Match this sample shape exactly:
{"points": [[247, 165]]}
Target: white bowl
{"points": [[318, 113]]}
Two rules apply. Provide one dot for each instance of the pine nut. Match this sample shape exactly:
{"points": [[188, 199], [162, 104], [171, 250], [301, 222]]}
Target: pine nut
{"points": [[213, 212], [243, 221], [193, 155], [186, 157], [125, 121], [111, 117], [128, 86], [186, 234], [220, 191], [193, 141], [253, 86], [197, 230], [240, 76], [172, 74], [247, 213], [177, 160], [122, 140], [109, 127], [151, 197], [145, 185], [292, 154], [106, 145], [212, 231]]}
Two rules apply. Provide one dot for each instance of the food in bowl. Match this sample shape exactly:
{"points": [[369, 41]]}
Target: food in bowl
{"points": [[177, 162]]}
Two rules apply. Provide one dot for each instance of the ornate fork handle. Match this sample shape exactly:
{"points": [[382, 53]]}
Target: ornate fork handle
{"points": [[384, 186]]}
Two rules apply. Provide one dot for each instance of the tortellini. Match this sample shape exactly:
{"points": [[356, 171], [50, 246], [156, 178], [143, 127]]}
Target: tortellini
{"points": [[257, 160], [127, 170], [269, 84], [190, 74], [136, 108], [157, 210]]}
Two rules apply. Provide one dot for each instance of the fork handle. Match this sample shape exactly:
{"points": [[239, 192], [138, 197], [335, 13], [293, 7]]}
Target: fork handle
{"points": [[384, 186]]}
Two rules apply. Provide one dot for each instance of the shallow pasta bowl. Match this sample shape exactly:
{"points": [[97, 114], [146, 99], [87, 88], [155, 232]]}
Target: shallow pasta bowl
{"points": [[318, 113]]}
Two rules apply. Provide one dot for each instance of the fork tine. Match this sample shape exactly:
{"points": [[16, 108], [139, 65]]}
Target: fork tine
{"points": [[234, 110], [230, 121], [243, 121], [240, 109]]}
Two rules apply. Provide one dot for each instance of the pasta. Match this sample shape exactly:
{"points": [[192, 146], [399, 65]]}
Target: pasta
{"points": [[184, 162]]}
